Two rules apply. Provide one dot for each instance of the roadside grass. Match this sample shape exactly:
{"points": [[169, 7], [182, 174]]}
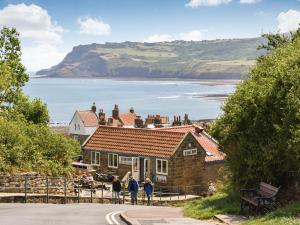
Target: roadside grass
{"points": [[289, 215], [206, 208], [224, 203]]}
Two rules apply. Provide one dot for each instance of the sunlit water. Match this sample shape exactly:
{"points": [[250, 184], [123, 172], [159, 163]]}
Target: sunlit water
{"points": [[64, 96]]}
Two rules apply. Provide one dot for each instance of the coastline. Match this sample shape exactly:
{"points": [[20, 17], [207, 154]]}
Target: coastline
{"points": [[210, 82]]}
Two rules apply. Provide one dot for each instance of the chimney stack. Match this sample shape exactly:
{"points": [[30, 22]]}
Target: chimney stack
{"points": [[131, 110], [186, 120], [115, 112], [93, 108], [138, 122], [101, 117]]}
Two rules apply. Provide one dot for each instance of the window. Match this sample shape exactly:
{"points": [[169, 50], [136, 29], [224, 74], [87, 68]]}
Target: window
{"points": [[95, 158], [125, 160], [78, 126], [113, 160], [190, 152], [161, 166], [75, 126]]}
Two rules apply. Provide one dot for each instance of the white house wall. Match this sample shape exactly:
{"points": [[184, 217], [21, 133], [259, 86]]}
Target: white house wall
{"points": [[76, 120]]}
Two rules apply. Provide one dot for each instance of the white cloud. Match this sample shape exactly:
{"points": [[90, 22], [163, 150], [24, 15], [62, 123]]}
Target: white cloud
{"points": [[40, 35], [288, 21], [158, 38], [249, 1], [93, 26], [194, 35], [32, 22], [198, 3], [42, 56]]}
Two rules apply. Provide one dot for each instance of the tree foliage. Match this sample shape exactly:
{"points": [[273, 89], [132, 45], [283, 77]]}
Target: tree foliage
{"points": [[26, 141], [29, 147], [10, 62], [278, 40], [260, 126]]}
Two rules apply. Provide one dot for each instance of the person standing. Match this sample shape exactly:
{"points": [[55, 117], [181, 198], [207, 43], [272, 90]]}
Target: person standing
{"points": [[133, 188], [116, 186], [148, 189]]}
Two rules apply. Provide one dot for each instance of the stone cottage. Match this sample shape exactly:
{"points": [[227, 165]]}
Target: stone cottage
{"points": [[168, 157]]}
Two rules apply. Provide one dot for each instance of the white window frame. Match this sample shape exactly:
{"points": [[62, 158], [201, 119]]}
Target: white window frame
{"points": [[161, 172], [126, 160], [188, 152], [97, 154], [113, 157]]}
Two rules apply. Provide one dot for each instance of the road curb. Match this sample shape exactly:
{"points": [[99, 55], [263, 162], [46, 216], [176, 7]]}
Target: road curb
{"points": [[127, 220]]}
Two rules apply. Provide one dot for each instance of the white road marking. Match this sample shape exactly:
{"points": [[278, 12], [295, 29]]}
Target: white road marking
{"points": [[114, 219], [110, 218], [107, 217]]}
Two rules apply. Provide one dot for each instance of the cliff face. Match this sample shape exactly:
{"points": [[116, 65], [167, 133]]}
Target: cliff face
{"points": [[219, 59]]}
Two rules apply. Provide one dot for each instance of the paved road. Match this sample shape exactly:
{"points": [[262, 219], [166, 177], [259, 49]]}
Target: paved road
{"points": [[72, 214]]}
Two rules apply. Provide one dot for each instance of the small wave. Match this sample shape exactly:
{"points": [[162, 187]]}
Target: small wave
{"points": [[169, 97]]}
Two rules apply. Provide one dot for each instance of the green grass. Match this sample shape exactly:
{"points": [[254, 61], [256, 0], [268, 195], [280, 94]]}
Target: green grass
{"points": [[222, 203], [289, 215], [206, 208]]}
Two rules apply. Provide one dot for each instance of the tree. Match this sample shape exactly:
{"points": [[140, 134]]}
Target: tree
{"points": [[10, 62], [34, 111], [26, 141], [260, 126], [275, 41]]}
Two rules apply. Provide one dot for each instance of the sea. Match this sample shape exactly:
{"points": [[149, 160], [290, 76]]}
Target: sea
{"points": [[199, 99]]}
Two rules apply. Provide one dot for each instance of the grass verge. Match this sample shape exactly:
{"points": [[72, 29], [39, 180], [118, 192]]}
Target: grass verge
{"points": [[206, 208], [289, 215]]}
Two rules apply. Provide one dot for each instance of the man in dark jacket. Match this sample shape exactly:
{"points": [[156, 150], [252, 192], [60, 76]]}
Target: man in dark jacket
{"points": [[116, 188], [148, 189], [133, 188]]}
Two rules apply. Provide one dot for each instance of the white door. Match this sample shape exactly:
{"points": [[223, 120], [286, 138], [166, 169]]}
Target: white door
{"points": [[135, 168]]}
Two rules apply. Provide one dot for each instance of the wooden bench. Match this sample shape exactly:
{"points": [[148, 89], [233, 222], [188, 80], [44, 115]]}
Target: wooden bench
{"points": [[262, 199]]}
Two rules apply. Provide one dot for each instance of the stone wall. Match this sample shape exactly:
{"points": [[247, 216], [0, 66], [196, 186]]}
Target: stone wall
{"points": [[103, 167], [187, 172], [36, 185]]}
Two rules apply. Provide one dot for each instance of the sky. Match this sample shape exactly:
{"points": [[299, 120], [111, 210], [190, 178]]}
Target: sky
{"points": [[50, 29]]}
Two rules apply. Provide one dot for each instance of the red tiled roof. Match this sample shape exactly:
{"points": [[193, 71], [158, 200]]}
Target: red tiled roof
{"points": [[213, 152], [89, 118], [128, 119], [135, 141]]}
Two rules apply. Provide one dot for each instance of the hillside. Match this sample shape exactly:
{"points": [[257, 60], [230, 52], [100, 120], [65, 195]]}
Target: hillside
{"points": [[219, 59]]}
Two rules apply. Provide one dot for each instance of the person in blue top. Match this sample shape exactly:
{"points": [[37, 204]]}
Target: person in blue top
{"points": [[148, 189], [133, 188]]}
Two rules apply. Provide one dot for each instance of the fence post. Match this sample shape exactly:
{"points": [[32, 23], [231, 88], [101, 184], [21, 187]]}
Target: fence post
{"points": [[78, 194], [112, 195], [124, 193], [178, 192], [47, 190], [102, 192], [160, 194], [65, 190], [25, 190], [92, 195]]}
